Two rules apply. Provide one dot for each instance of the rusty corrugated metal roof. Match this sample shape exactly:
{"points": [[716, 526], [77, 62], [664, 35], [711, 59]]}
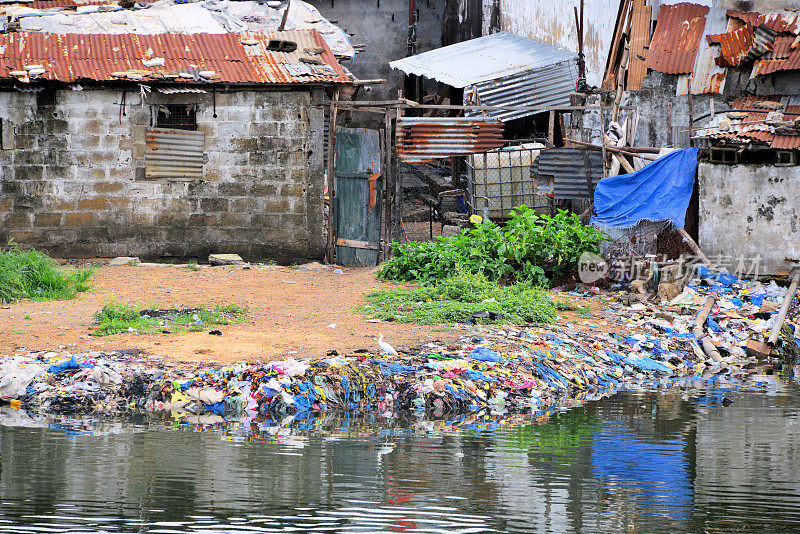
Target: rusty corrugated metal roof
{"points": [[753, 126], [778, 21], [733, 45], [74, 57], [783, 56], [677, 37], [421, 139]]}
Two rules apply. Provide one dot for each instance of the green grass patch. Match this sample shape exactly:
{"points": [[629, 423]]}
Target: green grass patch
{"points": [[30, 274], [191, 266], [115, 318], [456, 298]]}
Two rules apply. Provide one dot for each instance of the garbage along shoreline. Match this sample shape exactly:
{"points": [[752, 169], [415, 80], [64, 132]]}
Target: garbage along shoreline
{"points": [[491, 369]]}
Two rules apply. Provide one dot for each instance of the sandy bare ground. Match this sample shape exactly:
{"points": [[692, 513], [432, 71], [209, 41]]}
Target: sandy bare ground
{"points": [[290, 313]]}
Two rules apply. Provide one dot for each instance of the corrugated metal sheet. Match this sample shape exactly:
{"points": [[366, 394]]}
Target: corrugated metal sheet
{"points": [[487, 58], [173, 153], [421, 139], [641, 15], [783, 56], [733, 45], [550, 86], [707, 76], [568, 168], [677, 38], [74, 57], [752, 127], [779, 21]]}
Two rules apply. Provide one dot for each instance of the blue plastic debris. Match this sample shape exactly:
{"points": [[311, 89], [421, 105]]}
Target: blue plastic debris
{"points": [[485, 355]]}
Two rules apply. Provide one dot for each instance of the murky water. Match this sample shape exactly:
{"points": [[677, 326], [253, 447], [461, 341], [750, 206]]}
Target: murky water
{"points": [[634, 462]]}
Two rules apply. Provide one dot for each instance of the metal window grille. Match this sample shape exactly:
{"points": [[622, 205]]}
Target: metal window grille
{"points": [[175, 116]]}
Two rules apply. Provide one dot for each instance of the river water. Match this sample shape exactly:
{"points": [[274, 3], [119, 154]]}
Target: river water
{"points": [[670, 461]]}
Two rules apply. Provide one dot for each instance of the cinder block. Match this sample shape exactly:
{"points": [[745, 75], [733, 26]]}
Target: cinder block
{"points": [[47, 220]]}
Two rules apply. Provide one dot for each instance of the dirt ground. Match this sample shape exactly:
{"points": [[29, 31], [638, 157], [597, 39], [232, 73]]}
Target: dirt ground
{"points": [[291, 309]]}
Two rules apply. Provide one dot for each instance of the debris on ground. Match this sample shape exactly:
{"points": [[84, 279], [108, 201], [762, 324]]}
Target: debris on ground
{"points": [[124, 260], [502, 369], [225, 259]]}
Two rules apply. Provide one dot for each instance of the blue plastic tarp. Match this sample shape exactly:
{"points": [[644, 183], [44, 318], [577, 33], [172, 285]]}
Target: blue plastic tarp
{"points": [[659, 191]]}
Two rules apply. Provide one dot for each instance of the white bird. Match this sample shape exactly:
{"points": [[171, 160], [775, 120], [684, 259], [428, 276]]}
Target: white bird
{"points": [[385, 347]]}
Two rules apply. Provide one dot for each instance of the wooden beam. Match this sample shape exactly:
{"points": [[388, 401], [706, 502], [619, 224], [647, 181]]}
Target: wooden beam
{"points": [[330, 255]]}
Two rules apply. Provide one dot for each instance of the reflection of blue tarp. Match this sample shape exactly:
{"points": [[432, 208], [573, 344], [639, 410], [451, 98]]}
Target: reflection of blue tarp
{"points": [[659, 191], [658, 469]]}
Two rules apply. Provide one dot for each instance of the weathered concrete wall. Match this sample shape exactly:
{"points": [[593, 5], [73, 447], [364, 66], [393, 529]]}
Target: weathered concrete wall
{"points": [[749, 211], [73, 180], [554, 23], [382, 25], [664, 117]]}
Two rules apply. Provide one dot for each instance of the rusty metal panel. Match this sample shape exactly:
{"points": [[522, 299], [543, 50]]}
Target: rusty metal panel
{"points": [[753, 127], [421, 139], [783, 56], [707, 76], [550, 86], [640, 40], [778, 21], [173, 153], [568, 168], [677, 37], [73, 57]]}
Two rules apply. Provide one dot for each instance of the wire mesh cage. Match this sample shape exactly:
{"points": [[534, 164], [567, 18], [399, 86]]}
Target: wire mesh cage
{"points": [[500, 180]]}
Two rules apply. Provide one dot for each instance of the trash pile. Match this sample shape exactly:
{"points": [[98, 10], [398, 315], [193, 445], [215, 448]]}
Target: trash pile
{"points": [[491, 369]]}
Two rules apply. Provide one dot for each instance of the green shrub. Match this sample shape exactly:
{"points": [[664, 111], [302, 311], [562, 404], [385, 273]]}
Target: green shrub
{"points": [[530, 247], [30, 274]]}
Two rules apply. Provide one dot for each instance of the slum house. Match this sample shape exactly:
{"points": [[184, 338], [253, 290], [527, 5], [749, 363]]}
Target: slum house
{"points": [[165, 145], [729, 82], [525, 82]]}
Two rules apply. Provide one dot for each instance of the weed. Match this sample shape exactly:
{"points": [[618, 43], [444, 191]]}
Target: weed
{"points": [[530, 247], [28, 317], [191, 266], [115, 317], [30, 274], [456, 298]]}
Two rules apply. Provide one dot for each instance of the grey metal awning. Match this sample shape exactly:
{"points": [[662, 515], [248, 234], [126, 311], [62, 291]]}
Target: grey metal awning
{"points": [[501, 69]]}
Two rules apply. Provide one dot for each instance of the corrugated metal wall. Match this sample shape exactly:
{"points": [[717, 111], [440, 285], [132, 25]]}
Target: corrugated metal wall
{"points": [[568, 166], [174, 153], [548, 86]]}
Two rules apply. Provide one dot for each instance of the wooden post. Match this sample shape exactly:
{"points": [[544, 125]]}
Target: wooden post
{"points": [[551, 128], [691, 113], [330, 255], [388, 184], [398, 186]]}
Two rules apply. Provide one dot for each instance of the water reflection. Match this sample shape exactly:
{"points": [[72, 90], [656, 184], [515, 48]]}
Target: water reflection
{"points": [[676, 460]]}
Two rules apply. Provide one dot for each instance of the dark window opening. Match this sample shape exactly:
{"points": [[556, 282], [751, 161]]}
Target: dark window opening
{"points": [[176, 116]]}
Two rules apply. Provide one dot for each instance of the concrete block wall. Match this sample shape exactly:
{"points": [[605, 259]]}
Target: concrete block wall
{"points": [[73, 178], [750, 211]]}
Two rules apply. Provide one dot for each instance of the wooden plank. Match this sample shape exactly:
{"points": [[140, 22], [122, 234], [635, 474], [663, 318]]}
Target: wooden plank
{"points": [[640, 40], [354, 243], [612, 65], [330, 249]]}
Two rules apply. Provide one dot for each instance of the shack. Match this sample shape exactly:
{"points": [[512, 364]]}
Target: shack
{"points": [[165, 145]]}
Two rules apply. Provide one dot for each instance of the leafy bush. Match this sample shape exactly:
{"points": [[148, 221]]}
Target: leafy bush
{"points": [[30, 274], [529, 247], [456, 298]]}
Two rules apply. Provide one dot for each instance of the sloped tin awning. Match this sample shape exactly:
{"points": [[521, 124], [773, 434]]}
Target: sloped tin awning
{"points": [[501, 69], [421, 139]]}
